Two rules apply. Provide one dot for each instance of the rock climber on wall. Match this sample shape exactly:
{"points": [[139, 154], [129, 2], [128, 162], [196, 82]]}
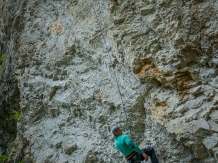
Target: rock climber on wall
{"points": [[131, 151]]}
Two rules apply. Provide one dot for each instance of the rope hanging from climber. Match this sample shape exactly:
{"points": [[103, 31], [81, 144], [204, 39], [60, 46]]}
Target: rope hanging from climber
{"points": [[110, 58]]}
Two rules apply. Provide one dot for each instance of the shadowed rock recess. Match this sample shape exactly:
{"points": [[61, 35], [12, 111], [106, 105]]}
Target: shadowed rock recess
{"points": [[164, 54]]}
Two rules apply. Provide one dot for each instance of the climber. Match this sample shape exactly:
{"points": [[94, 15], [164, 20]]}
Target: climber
{"points": [[131, 151]]}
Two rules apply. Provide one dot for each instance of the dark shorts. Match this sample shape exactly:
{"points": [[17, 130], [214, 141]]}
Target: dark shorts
{"points": [[148, 151], [136, 159]]}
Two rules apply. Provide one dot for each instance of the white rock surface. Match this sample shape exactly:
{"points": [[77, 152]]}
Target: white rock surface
{"points": [[165, 57]]}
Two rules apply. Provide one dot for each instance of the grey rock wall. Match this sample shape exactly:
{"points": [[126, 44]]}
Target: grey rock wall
{"points": [[164, 54]]}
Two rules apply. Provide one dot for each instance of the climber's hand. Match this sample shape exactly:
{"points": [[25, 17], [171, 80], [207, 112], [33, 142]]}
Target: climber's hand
{"points": [[145, 156]]}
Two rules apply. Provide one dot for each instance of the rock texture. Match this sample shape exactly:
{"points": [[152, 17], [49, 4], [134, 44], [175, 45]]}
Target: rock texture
{"points": [[164, 54]]}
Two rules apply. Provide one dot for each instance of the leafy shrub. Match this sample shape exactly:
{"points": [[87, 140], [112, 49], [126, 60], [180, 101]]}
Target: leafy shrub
{"points": [[15, 116], [2, 58], [3, 158]]}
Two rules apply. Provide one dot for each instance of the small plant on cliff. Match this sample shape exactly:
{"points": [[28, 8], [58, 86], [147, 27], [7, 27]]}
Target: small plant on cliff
{"points": [[2, 58], [3, 158], [20, 161], [15, 116]]}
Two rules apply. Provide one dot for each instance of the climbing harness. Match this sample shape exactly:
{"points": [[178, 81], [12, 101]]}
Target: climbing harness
{"points": [[135, 159], [110, 58]]}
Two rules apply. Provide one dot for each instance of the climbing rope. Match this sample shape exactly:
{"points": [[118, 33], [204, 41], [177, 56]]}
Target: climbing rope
{"points": [[110, 58], [153, 126]]}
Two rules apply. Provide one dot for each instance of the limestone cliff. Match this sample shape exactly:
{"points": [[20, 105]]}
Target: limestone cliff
{"points": [[62, 58]]}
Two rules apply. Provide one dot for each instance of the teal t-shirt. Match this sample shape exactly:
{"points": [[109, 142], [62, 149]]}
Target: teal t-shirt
{"points": [[122, 143]]}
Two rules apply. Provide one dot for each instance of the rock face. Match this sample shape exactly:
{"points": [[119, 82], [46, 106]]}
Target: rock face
{"points": [[68, 57]]}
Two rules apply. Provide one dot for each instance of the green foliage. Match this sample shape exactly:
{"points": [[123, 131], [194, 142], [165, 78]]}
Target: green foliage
{"points": [[3, 57], [14, 144], [7, 158], [3, 158], [15, 116], [20, 161]]}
